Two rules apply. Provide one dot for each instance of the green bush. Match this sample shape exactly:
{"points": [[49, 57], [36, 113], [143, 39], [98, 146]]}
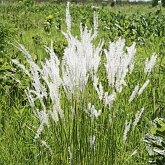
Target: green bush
{"points": [[155, 141], [163, 3], [154, 3]]}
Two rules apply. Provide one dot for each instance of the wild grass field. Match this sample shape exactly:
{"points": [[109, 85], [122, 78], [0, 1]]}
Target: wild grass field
{"points": [[82, 84]]}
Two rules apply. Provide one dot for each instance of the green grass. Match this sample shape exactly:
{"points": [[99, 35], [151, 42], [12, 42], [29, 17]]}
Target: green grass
{"points": [[18, 124]]}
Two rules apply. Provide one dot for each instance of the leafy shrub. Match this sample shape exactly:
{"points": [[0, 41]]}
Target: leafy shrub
{"points": [[28, 3], [154, 3], [155, 142], [163, 3]]}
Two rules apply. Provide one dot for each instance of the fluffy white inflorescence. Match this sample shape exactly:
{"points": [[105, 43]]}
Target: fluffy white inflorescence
{"points": [[138, 116], [70, 155], [51, 75], [126, 130], [134, 93], [149, 64], [39, 91], [21, 66], [68, 18], [46, 82], [44, 143], [98, 87], [143, 87], [92, 140], [44, 119], [134, 152], [119, 63], [92, 111], [81, 59], [109, 99], [95, 23]]}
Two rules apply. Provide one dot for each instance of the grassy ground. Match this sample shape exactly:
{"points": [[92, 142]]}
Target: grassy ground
{"points": [[18, 125]]}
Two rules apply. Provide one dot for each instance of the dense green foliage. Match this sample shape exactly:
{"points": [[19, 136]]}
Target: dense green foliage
{"points": [[156, 141], [35, 25]]}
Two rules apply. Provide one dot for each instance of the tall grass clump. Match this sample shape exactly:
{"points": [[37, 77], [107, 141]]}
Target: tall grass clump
{"points": [[89, 105]]}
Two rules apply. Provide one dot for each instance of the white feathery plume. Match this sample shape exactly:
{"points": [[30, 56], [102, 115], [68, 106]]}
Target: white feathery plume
{"points": [[149, 64], [100, 91], [95, 22], [46, 77], [118, 63], [21, 66], [80, 60], [109, 99], [68, 18], [134, 93], [92, 111], [70, 156], [131, 51], [51, 76], [138, 117], [131, 68], [143, 87], [12, 76], [30, 98], [134, 152], [98, 87], [92, 140], [43, 117], [72, 110], [55, 113], [126, 130], [39, 91], [44, 143]]}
